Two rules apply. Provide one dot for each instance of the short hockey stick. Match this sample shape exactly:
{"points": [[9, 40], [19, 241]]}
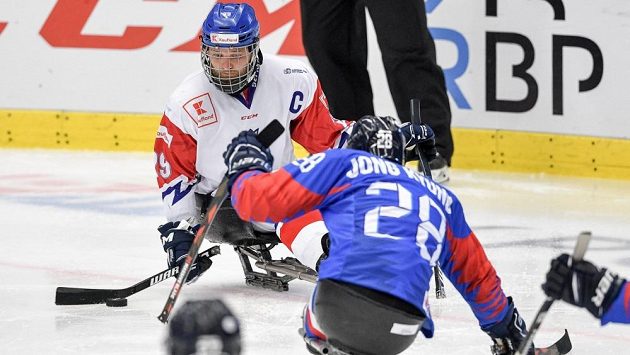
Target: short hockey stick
{"points": [[267, 136], [578, 254], [424, 165], [74, 295]]}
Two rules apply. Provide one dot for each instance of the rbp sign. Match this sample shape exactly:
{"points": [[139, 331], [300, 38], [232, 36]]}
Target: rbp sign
{"points": [[520, 71]]}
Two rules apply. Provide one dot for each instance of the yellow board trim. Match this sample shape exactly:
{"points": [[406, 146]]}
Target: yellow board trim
{"points": [[517, 151], [499, 150], [78, 130]]}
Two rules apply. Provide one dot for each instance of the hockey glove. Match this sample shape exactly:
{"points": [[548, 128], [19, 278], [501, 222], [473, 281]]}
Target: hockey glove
{"points": [[245, 153], [177, 237], [508, 334], [582, 284], [421, 136]]}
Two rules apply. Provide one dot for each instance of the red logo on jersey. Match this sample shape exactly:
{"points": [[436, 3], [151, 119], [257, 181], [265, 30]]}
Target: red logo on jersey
{"points": [[201, 110], [198, 108]]}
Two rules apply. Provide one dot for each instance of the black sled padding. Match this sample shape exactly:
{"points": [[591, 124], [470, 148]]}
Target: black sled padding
{"points": [[230, 229]]}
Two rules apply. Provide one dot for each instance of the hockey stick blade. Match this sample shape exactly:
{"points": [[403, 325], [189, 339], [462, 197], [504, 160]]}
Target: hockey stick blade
{"points": [[74, 296], [578, 254], [560, 347], [267, 136]]}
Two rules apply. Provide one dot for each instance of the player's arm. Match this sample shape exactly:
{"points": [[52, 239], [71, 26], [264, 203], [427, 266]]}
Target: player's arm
{"points": [[176, 153], [602, 292], [258, 195], [466, 265], [312, 126]]}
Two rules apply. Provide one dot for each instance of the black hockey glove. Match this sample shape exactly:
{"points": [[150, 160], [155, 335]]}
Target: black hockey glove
{"points": [[177, 237], [508, 334], [244, 153], [418, 135], [582, 284]]}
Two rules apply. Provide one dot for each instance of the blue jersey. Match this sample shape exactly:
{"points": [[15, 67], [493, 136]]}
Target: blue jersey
{"points": [[388, 225], [619, 311]]}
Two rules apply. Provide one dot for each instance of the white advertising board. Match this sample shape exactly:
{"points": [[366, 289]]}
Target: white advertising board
{"points": [[554, 66]]}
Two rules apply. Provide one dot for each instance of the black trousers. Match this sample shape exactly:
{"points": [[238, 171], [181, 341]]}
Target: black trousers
{"points": [[363, 321], [335, 39]]}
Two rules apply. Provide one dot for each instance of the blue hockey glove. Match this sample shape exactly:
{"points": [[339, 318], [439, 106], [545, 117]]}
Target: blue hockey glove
{"points": [[582, 284], [177, 237], [245, 153], [508, 333], [418, 135]]}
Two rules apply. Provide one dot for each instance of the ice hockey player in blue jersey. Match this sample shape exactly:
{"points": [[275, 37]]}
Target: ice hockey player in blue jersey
{"points": [[603, 293], [388, 226]]}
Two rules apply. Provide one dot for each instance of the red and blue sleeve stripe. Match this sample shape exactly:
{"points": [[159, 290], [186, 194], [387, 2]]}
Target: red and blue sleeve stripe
{"points": [[470, 271], [272, 197]]}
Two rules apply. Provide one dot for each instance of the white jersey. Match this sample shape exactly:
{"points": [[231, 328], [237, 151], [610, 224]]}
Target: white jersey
{"points": [[200, 121]]}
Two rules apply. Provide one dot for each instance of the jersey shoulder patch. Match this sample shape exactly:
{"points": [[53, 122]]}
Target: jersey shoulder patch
{"points": [[192, 101], [201, 110]]}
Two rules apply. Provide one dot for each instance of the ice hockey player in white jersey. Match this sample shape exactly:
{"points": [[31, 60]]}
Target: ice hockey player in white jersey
{"points": [[237, 88]]}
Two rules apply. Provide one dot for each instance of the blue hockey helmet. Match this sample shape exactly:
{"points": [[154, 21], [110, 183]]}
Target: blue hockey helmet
{"points": [[230, 38], [204, 327], [379, 135]]}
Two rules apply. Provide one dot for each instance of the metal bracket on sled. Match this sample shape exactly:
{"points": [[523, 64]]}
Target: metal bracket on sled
{"points": [[290, 267]]}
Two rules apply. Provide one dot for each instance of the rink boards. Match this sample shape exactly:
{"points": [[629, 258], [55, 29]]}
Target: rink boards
{"points": [[501, 150], [534, 86]]}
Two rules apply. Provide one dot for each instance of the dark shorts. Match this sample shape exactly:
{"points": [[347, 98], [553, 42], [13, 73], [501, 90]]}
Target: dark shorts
{"points": [[364, 321]]}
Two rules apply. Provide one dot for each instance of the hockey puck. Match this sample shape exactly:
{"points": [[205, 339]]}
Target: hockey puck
{"points": [[116, 302]]}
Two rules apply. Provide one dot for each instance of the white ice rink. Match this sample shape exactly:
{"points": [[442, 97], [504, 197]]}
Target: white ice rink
{"points": [[89, 220]]}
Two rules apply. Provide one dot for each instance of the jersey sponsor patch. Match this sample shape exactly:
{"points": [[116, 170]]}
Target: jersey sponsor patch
{"points": [[224, 38], [201, 110], [294, 71]]}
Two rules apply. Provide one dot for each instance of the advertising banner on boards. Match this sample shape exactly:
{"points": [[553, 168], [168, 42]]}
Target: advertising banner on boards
{"points": [[553, 66]]}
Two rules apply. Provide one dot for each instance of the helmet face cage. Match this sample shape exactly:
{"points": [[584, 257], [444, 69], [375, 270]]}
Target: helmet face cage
{"points": [[379, 136], [229, 68], [229, 46]]}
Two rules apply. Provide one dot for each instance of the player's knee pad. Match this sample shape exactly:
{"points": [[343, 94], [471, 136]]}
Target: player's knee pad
{"points": [[303, 236], [364, 321]]}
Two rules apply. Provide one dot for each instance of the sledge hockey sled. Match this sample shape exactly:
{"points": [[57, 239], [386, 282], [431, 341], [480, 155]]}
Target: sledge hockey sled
{"points": [[252, 245]]}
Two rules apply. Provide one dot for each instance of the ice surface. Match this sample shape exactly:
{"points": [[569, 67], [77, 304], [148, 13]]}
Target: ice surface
{"points": [[84, 219]]}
